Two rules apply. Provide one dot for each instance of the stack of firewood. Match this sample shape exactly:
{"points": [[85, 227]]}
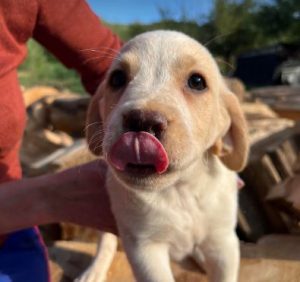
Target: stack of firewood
{"points": [[54, 136], [270, 201], [54, 140]]}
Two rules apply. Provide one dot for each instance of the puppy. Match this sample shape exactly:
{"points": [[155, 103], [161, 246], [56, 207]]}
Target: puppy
{"points": [[173, 136]]}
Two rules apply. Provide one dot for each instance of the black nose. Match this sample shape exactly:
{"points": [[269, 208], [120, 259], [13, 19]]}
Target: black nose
{"points": [[143, 120]]}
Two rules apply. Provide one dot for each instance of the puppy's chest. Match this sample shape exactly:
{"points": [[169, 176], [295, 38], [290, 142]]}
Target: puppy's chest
{"points": [[187, 223], [175, 217]]}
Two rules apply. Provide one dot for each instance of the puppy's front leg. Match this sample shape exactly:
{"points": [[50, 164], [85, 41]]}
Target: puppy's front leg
{"points": [[150, 261], [97, 271], [221, 257]]}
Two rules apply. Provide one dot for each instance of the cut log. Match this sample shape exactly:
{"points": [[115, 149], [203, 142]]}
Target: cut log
{"points": [[261, 176], [68, 114], [290, 151], [281, 163], [284, 100], [63, 158], [38, 145], [34, 94]]}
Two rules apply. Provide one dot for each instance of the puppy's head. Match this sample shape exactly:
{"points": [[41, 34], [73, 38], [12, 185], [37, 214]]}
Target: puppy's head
{"points": [[163, 106]]}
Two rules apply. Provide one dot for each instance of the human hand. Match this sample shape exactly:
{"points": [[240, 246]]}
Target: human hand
{"points": [[76, 195], [79, 195]]}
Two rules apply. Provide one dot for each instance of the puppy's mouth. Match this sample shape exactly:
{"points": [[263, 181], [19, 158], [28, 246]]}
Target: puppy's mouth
{"points": [[138, 153]]}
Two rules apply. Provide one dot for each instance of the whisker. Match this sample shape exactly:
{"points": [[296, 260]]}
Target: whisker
{"points": [[95, 142], [91, 124], [217, 37], [99, 50], [95, 137], [105, 52], [97, 147], [225, 62], [100, 57]]}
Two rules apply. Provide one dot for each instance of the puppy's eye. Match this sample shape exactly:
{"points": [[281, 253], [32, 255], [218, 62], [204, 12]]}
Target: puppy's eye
{"points": [[118, 79], [197, 82]]}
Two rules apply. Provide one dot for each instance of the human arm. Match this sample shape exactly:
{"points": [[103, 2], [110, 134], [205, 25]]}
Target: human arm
{"points": [[76, 195], [76, 36]]}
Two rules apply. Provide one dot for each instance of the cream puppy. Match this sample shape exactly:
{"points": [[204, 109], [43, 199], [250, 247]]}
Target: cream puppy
{"points": [[173, 136]]}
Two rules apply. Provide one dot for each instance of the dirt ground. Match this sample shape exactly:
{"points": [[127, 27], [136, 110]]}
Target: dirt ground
{"points": [[274, 258]]}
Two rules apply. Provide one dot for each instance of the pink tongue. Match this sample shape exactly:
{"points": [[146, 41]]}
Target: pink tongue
{"points": [[139, 148]]}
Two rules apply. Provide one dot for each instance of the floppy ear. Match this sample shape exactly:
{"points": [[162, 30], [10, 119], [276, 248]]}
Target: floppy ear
{"points": [[232, 147], [94, 125]]}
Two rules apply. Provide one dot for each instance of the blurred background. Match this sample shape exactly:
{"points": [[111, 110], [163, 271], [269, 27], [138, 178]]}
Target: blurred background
{"points": [[268, 31]]}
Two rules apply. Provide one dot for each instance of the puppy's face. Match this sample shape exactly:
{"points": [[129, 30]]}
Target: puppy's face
{"points": [[162, 106]]}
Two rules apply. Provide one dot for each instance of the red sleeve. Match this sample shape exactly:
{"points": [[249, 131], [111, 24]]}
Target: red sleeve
{"points": [[75, 35]]}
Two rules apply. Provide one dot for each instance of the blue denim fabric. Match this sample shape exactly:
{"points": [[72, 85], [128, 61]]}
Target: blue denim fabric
{"points": [[23, 258]]}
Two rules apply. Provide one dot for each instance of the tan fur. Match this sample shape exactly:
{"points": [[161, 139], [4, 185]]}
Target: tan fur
{"points": [[236, 159], [190, 210]]}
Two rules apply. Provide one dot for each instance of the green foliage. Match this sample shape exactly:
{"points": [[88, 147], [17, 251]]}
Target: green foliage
{"points": [[123, 31], [41, 68], [280, 20], [127, 32], [233, 27], [248, 24]]}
